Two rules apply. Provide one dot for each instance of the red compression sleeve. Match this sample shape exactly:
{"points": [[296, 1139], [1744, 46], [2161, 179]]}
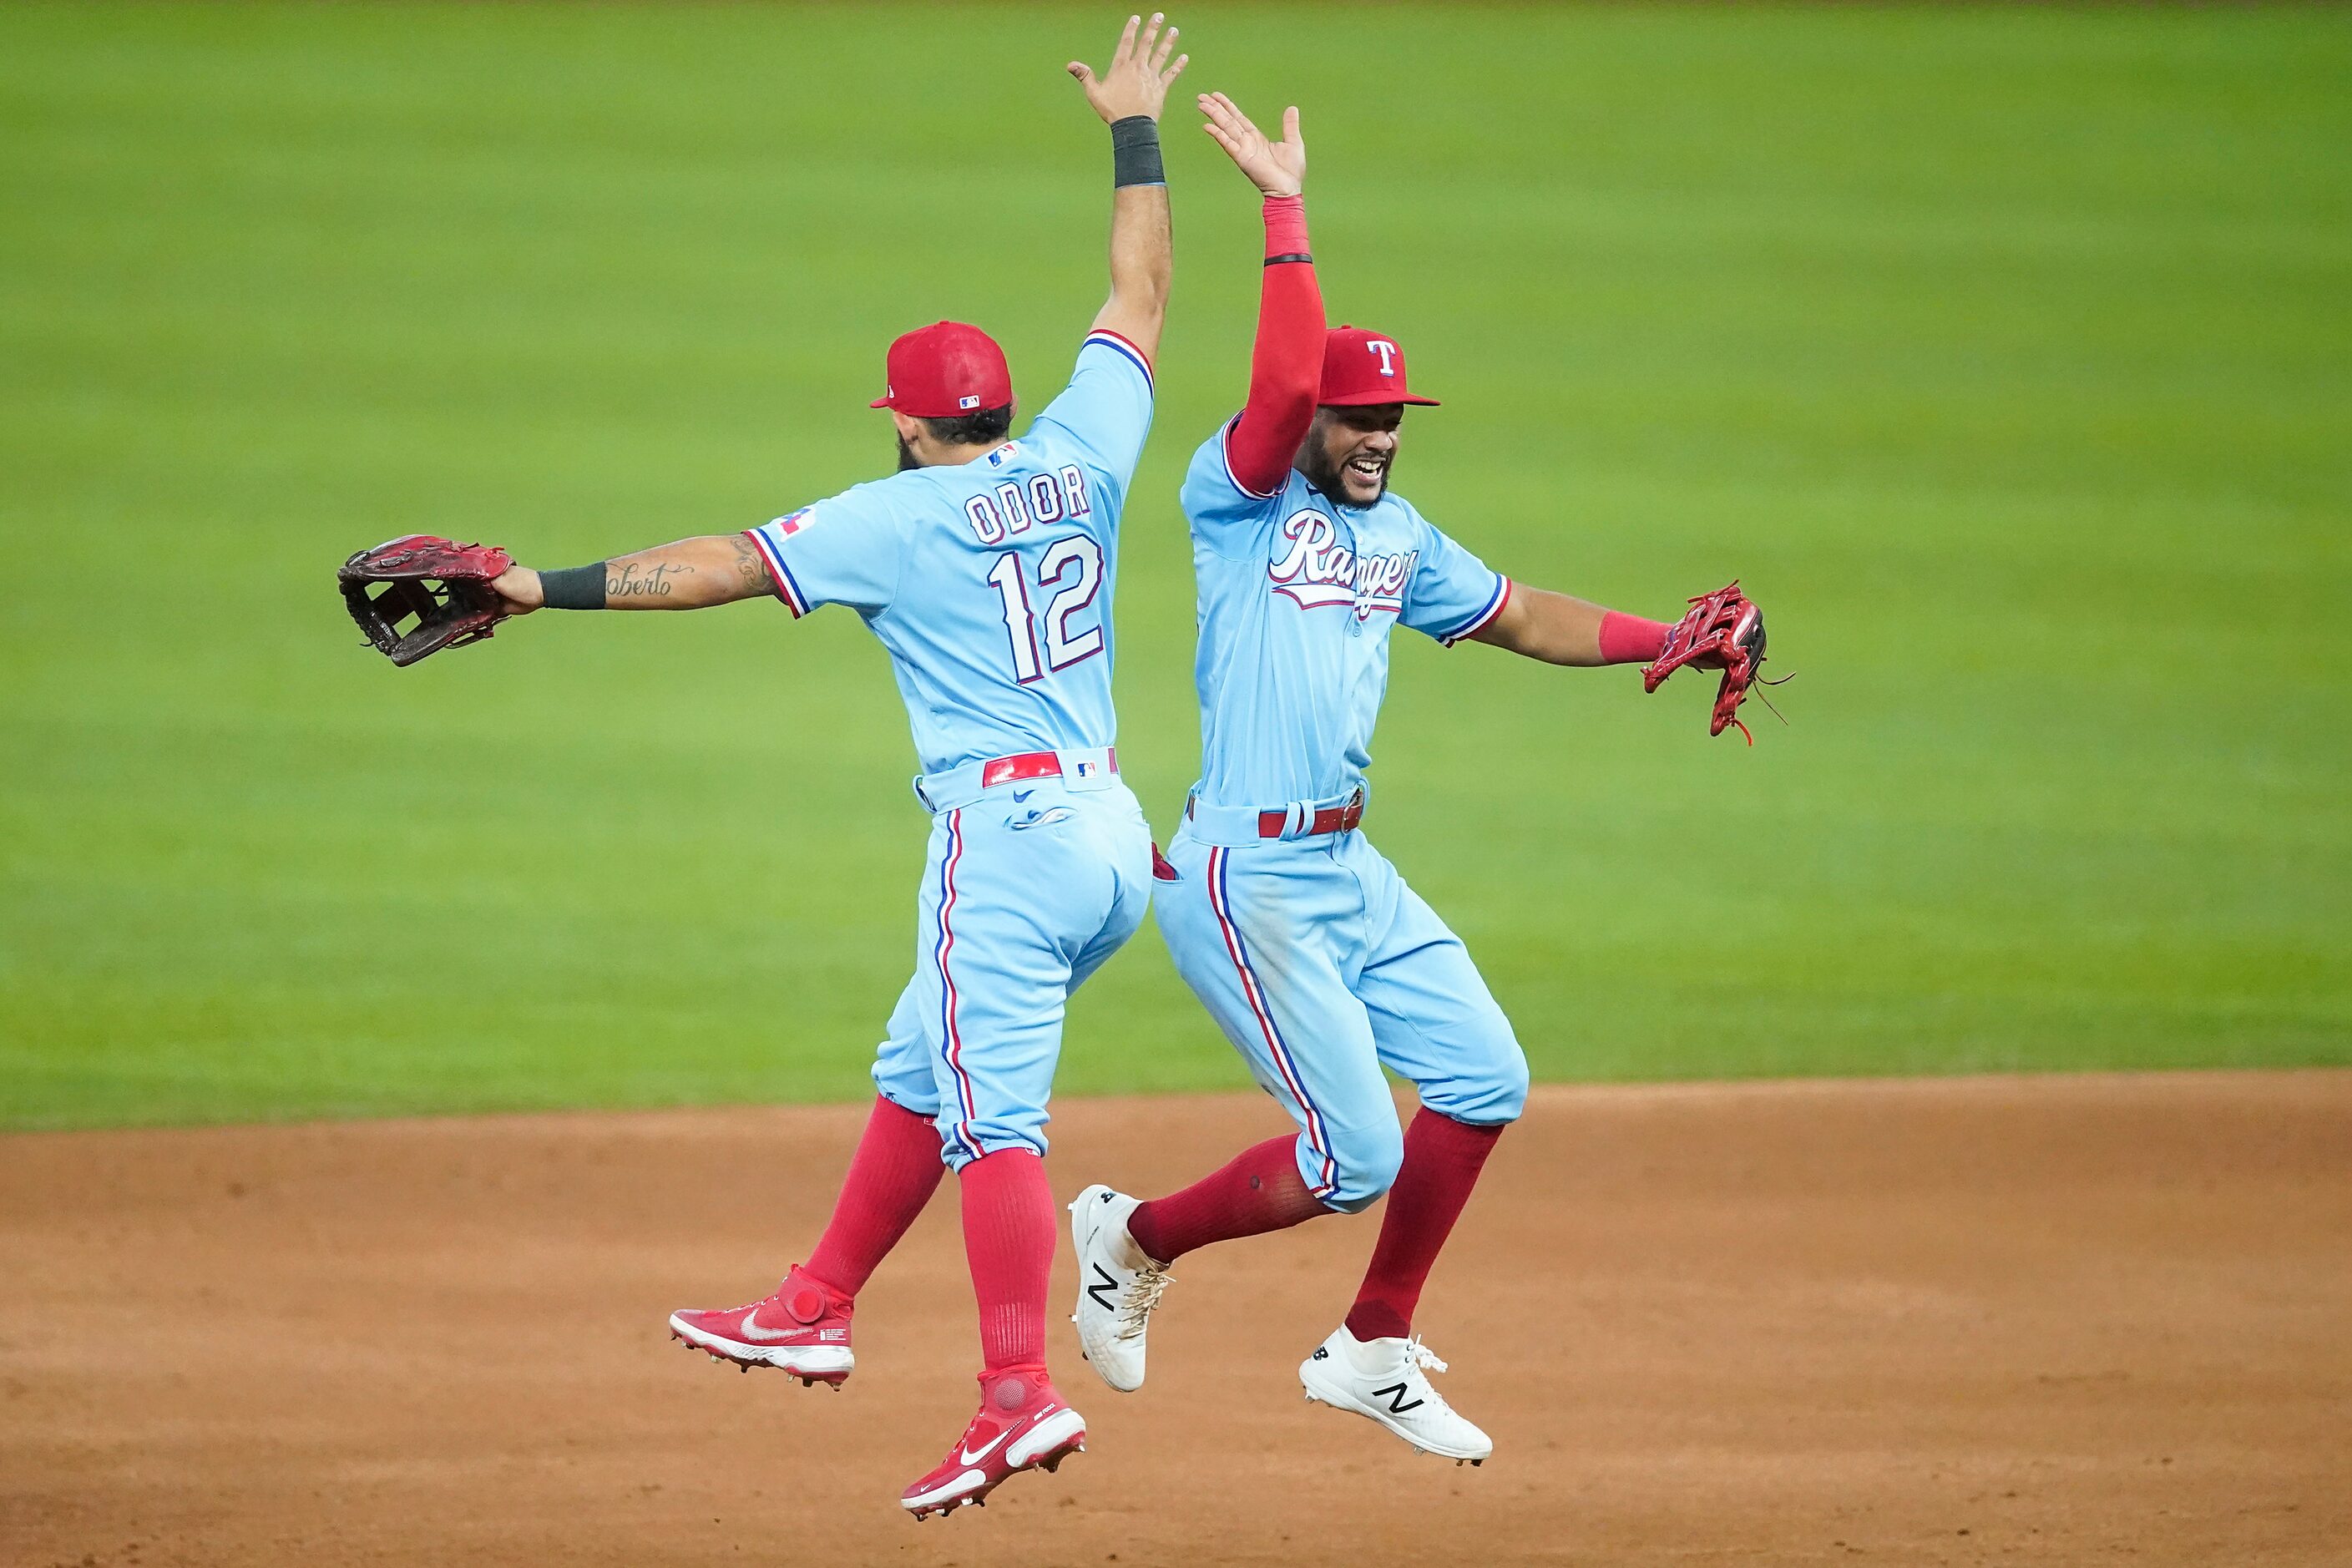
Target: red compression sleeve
{"points": [[1630, 640], [1287, 366]]}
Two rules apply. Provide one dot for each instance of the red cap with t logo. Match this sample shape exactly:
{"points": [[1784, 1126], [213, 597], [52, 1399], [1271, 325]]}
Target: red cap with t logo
{"points": [[1361, 367], [944, 371]]}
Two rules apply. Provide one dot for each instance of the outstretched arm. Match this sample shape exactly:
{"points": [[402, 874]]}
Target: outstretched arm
{"points": [[691, 574], [1558, 629], [1128, 95], [1287, 366]]}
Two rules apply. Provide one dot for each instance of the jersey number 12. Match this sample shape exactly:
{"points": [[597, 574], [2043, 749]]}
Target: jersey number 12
{"points": [[1073, 566]]}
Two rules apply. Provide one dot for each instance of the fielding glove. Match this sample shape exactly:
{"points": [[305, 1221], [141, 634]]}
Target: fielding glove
{"points": [[1723, 631], [446, 586]]}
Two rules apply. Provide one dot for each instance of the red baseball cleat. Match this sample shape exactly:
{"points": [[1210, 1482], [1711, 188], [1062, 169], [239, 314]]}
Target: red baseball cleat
{"points": [[803, 1329], [1022, 1424]]}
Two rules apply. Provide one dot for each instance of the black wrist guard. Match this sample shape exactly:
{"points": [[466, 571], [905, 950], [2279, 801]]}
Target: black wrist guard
{"points": [[1135, 151], [573, 588]]}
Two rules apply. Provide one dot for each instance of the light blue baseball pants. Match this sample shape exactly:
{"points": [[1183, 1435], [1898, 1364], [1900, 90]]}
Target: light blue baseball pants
{"points": [[1321, 965], [1027, 888]]}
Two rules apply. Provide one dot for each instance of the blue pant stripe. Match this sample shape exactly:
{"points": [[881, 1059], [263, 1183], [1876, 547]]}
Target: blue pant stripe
{"points": [[1221, 904], [951, 1038]]}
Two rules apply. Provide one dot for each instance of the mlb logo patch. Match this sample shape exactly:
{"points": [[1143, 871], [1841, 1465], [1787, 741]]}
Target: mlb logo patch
{"points": [[792, 524], [969, 400]]}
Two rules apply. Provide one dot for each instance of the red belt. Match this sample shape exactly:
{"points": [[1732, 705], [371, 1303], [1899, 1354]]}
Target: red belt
{"points": [[1330, 820], [1030, 765]]}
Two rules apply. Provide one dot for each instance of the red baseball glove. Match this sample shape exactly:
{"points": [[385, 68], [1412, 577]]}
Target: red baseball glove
{"points": [[1723, 631], [446, 586]]}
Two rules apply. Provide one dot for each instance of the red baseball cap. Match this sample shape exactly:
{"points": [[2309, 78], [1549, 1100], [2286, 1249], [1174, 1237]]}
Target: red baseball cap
{"points": [[1362, 367], [945, 370]]}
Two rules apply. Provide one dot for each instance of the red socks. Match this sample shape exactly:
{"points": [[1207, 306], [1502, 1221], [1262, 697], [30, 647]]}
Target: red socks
{"points": [[1009, 1226], [1259, 1191], [1441, 1160], [890, 1179], [1008, 1239]]}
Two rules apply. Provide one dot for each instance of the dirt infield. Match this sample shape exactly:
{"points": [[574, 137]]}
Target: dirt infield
{"points": [[2052, 1320]]}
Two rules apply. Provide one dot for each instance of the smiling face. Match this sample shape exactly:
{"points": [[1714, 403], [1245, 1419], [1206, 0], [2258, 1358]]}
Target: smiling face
{"points": [[1348, 451]]}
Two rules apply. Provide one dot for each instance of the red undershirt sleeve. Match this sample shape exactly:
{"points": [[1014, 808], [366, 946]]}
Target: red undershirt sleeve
{"points": [[1287, 366], [1631, 639]]}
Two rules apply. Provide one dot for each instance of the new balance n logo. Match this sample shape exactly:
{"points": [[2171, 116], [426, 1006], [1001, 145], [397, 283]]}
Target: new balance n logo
{"points": [[1398, 1402], [1102, 1293]]}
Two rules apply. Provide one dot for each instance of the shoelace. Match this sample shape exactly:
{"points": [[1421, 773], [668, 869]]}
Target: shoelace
{"points": [[1421, 1355], [1135, 1302]]}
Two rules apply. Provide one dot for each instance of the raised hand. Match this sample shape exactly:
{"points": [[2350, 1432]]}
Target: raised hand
{"points": [[1277, 168], [1136, 81]]}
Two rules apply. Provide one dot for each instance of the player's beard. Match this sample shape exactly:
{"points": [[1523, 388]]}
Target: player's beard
{"points": [[1330, 478], [906, 453]]}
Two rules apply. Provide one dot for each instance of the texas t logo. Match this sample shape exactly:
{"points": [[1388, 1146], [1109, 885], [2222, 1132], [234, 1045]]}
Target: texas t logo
{"points": [[1388, 353]]}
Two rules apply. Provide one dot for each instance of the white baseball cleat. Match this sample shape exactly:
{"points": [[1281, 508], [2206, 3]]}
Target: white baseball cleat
{"points": [[1388, 1380], [1117, 1287]]}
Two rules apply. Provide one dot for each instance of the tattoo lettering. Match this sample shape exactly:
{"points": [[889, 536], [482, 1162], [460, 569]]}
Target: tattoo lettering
{"points": [[630, 582], [754, 568]]}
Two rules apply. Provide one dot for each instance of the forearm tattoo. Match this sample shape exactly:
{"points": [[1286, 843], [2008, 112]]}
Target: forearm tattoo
{"points": [[626, 580], [754, 568]]}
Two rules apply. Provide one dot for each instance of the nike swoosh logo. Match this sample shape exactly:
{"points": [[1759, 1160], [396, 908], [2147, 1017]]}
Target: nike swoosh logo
{"points": [[967, 1456], [753, 1331], [1021, 797]]}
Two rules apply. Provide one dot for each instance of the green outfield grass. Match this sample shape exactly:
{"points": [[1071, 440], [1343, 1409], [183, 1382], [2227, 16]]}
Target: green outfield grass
{"points": [[2007, 354]]}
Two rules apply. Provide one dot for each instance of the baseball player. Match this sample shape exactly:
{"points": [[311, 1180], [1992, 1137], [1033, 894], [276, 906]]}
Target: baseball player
{"points": [[985, 567], [1319, 964]]}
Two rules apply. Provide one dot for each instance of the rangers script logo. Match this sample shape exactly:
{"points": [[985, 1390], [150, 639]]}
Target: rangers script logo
{"points": [[1314, 572]]}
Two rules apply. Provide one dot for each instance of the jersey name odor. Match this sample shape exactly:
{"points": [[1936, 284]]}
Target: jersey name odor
{"points": [[1014, 506]]}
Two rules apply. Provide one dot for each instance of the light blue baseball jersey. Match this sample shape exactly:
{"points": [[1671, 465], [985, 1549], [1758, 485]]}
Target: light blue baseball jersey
{"points": [[989, 583], [1298, 596]]}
